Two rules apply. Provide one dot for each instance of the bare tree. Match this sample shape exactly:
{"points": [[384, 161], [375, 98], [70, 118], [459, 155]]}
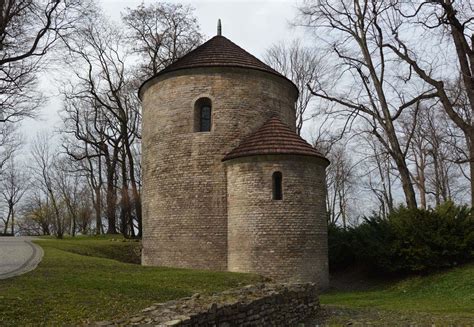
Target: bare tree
{"points": [[92, 166], [161, 33], [71, 184], [10, 142], [35, 216], [84, 213], [370, 87], [102, 110], [418, 152], [457, 20], [44, 168], [340, 179], [13, 187], [113, 112], [303, 66], [90, 140], [379, 177], [28, 30], [59, 202], [439, 140]]}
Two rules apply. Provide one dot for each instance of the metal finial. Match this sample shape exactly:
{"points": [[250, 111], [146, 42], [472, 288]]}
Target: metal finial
{"points": [[219, 27]]}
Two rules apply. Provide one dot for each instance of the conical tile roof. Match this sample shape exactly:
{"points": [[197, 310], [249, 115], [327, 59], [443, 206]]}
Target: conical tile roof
{"points": [[274, 137], [218, 52]]}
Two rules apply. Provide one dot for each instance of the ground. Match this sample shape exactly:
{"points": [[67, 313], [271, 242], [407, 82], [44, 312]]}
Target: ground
{"points": [[442, 298], [93, 279], [77, 282]]}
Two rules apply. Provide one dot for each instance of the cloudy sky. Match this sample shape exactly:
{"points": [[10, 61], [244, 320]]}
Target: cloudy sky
{"points": [[254, 25]]}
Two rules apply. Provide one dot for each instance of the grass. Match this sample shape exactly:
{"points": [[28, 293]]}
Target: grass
{"points": [[448, 294], [88, 279], [117, 247], [80, 281]]}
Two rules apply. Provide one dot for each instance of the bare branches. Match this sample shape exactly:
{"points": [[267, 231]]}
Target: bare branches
{"points": [[28, 30], [14, 184], [303, 66], [161, 33], [449, 15], [369, 83], [340, 179]]}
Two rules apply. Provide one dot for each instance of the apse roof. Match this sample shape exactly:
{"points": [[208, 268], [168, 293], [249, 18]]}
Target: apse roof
{"points": [[274, 137]]}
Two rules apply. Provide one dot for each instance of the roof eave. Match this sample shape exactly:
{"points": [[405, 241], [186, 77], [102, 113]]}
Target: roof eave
{"points": [[164, 72], [237, 156]]}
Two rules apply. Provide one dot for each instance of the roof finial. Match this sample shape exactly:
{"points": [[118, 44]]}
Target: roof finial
{"points": [[219, 27]]}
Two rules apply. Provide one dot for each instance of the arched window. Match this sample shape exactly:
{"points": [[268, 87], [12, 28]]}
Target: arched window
{"points": [[202, 115], [205, 119], [277, 189]]}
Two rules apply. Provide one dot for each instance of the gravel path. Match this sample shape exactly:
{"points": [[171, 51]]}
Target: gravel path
{"points": [[18, 255]]}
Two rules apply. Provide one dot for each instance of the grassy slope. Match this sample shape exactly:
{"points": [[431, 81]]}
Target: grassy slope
{"points": [[111, 247], [69, 288], [447, 293]]}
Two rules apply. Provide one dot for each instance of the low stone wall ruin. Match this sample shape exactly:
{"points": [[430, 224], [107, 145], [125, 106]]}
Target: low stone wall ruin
{"points": [[253, 305]]}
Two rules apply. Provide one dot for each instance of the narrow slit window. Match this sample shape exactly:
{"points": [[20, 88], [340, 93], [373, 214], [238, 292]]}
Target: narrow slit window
{"points": [[205, 119], [277, 180], [203, 115]]}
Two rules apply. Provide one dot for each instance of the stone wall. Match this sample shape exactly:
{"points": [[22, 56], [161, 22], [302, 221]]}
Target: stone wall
{"points": [[184, 192], [258, 305], [282, 239]]}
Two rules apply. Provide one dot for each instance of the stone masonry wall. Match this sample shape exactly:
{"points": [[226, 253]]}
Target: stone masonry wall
{"points": [[184, 192], [282, 239], [257, 305]]}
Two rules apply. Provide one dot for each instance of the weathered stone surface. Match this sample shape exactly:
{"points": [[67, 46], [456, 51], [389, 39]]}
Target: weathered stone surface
{"points": [[136, 319], [202, 213], [185, 187], [282, 239], [175, 322], [248, 306], [104, 323]]}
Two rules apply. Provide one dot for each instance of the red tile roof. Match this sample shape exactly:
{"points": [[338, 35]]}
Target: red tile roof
{"points": [[218, 52], [274, 137]]}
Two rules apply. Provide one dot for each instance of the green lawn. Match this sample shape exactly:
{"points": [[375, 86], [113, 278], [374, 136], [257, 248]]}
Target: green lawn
{"points": [[107, 246], [449, 294], [76, 282], [89, 279]]}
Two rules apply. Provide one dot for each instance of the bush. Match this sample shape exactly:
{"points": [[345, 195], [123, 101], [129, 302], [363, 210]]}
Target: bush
{"points": [[340, 242], [408, 240]]}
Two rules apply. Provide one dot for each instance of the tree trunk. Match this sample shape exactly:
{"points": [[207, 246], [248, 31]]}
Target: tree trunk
{"points": [[126, 223], [111, 196], [5, 228], [98, 210], [471, 166], [407, 186], [421, 179], [13, 222], [136, 195], [111, 202], [98, 199]]}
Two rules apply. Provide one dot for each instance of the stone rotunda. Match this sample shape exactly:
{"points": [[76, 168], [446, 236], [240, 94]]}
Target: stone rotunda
{"points": [[227, 182]]}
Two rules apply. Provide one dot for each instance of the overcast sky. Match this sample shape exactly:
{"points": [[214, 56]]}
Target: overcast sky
{"points": [[253, 25]]}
